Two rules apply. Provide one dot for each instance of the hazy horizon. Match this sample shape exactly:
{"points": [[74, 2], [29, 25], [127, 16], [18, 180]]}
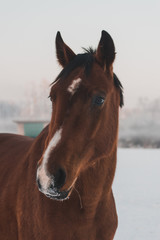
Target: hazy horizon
{"points": [[28, 31]]}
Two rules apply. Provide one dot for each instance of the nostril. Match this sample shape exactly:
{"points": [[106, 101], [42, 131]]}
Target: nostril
{"points": [[60, 178]]}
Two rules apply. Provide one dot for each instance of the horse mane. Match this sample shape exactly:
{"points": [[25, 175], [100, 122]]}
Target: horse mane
{"points": [[118, 85], [86, 60]]}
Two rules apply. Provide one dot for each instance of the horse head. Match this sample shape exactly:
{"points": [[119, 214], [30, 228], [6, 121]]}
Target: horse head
{"points": [[84, 125]]}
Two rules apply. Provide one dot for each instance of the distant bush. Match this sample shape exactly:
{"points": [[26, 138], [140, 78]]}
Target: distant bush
{"points": [[140, 127], [139, 142]]}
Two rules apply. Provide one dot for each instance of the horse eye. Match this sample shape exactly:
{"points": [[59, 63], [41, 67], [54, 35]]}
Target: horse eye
{"points": [[50, 98], [98, 100]]}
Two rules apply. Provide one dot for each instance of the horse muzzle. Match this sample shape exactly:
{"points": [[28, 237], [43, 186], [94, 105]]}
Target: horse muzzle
{"points": [[53, 192]]}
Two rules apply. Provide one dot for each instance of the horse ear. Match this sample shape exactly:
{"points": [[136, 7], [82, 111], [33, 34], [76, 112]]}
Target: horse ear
{"points": [[105, 53], [64, 53]]}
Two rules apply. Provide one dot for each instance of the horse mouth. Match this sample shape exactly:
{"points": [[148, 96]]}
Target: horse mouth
{"points": [[60, 196]]}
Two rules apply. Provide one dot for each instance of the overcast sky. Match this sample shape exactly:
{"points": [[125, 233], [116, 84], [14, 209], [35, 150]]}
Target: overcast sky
{"points": [[27, 35]]}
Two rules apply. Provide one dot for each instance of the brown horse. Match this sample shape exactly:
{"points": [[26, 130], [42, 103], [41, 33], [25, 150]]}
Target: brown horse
{"points": [[58, 185]]}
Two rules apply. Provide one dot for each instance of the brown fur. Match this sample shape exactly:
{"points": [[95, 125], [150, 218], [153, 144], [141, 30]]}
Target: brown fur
{"points": [[87, 150]]}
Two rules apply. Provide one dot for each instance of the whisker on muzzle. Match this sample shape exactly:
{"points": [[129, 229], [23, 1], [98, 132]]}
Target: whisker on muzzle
{"points": [[80, 199]]}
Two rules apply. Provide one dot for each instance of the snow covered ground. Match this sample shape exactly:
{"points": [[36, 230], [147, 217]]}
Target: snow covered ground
{"points": [[137, 193]]}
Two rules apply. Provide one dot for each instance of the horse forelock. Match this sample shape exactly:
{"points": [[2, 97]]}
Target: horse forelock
{"points": [[85, 61]]}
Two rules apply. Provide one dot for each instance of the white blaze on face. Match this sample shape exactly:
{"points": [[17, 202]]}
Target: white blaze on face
{"points": [[42, 173], [74, 86]]}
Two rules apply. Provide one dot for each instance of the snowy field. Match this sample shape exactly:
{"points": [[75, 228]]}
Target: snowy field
{"points": [[137, 193]]}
